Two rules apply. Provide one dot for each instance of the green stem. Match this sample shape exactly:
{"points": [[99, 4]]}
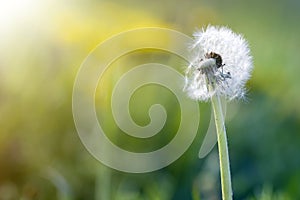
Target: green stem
{"points": [[103, 183], [223, 148]]}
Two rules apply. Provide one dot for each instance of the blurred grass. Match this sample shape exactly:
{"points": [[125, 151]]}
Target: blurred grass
{"points": [[42, 46]]}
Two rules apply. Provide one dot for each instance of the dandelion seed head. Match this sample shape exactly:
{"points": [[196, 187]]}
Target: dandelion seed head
{"points": [[204, 69]]}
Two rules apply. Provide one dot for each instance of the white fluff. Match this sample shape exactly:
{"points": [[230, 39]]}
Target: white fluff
{"points": [[235, 53]]}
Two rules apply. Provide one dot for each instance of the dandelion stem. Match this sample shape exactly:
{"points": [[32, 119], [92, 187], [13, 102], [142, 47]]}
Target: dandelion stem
{"points": [[223, 148]]}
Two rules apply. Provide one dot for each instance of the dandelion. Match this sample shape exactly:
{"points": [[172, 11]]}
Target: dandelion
{"points": [[220, 66]]}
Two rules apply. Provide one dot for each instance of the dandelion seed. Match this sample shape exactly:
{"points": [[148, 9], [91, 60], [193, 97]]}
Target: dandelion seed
{"points": [[221, 64]]}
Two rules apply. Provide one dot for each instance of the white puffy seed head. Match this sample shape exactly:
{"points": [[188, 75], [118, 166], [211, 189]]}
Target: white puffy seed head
{"points": [[221, 64]]}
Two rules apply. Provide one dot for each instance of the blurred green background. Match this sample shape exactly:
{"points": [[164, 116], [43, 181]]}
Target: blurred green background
{"points": [[43, 43]]}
